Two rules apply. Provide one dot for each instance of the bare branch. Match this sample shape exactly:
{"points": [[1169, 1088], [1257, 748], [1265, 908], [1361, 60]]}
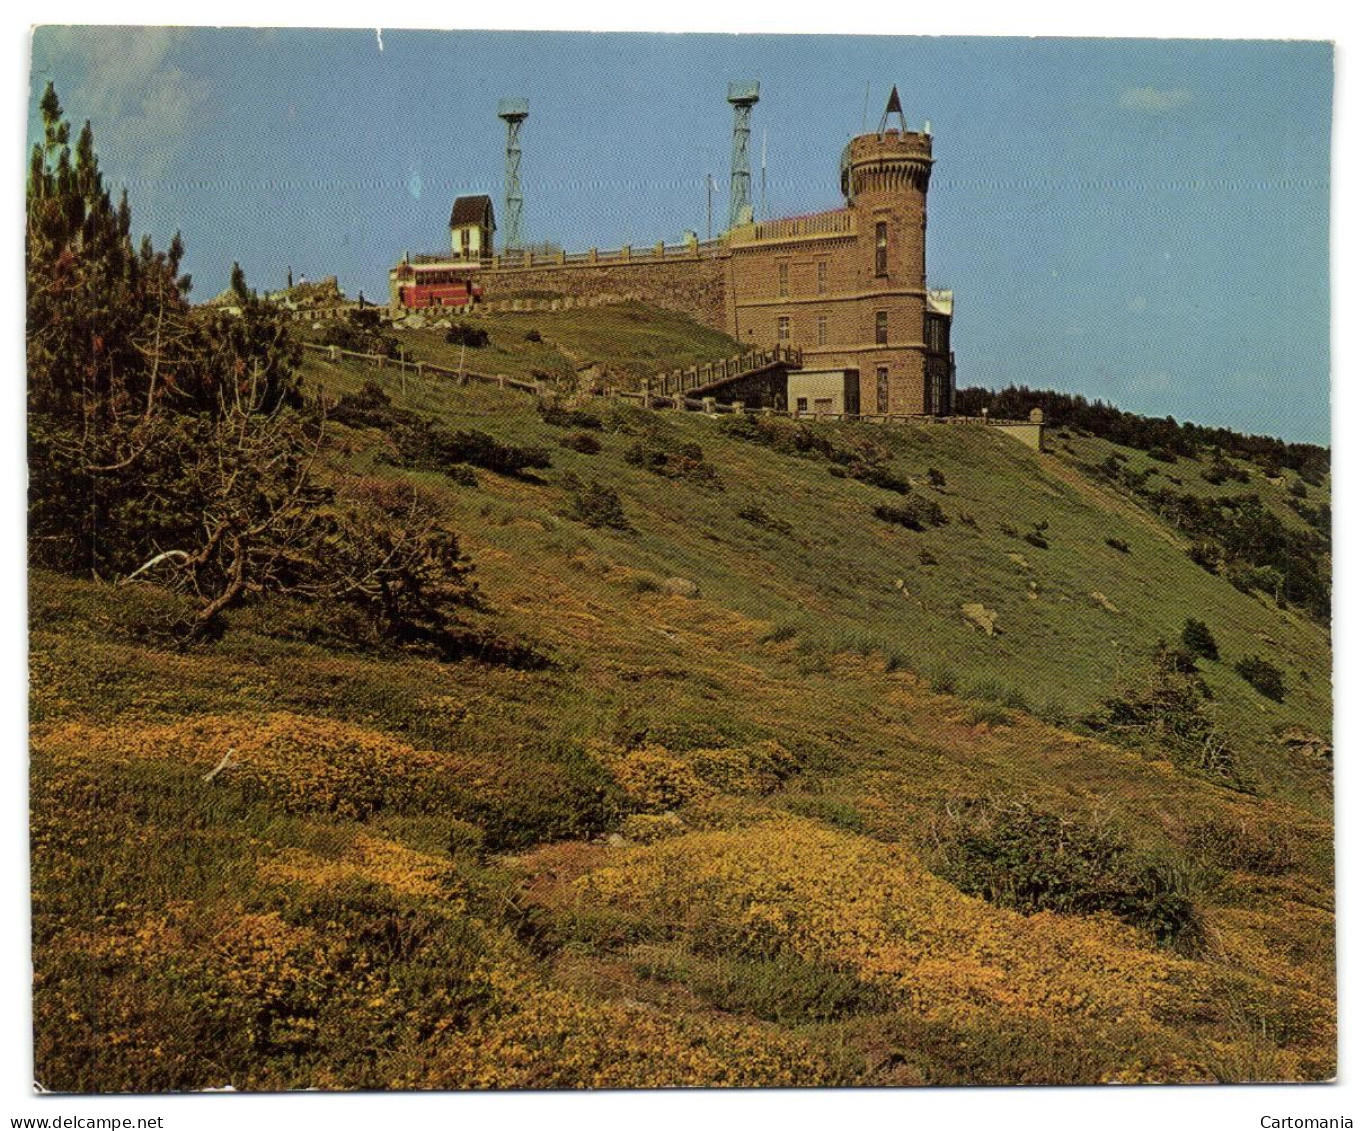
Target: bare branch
{"points": [[181, 555]]}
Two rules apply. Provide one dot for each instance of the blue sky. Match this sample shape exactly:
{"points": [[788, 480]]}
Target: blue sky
{"points": [[1139, 220]]}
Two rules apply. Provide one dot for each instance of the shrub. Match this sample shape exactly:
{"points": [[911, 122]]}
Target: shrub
{"points": [[371, 407], [597, 505], [759, 517], [942, 679], [425, 446], [831, 810], [481, 450], [583, 442], [991, 714], [1021, 857], [1298, 489], [679, 461], [1265, 850], [462, 475], [649, 828], [875, 475], [1036, 538], [1197, 638], [655, 780], [1266, 678], [462, 334], [359, 332], [1247, 577], [551, 412], [926, 558], [1118, 544], [533, 336], [1165, 455], [913, 514], [936, 478], [966, 518], [1207, 554], [786, 989], [1162, 706]]}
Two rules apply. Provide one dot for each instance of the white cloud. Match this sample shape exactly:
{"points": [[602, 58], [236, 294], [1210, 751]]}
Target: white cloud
{"points": [[143, 106], [1151, 100]]}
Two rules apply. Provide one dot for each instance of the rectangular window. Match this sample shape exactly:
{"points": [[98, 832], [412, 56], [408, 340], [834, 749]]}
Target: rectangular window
{"points": [[824, 405], [802, 405], [937, 341], [822, 330], [783, 328], [821, 276], [882, 327], [882, 248], [882, 389], [783, 279]]}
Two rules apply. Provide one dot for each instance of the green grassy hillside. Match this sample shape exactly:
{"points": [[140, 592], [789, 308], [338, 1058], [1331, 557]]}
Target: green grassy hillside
{"points": [[622, 342], [736, 830]]}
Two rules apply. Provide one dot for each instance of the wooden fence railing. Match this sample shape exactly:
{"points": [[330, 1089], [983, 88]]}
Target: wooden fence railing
{"points": [[423, 368], [717, 372], [654, 399]]}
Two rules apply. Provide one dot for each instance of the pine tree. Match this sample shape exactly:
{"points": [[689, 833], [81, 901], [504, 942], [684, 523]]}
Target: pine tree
{"points": [[1197, 638], [115, 356], [164, 442]]}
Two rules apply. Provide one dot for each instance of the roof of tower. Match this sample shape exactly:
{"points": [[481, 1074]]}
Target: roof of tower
{"points": [[472, 210]]}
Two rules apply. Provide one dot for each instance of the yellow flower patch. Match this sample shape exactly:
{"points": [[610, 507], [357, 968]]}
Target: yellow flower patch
{"points": [[395, 866], [298, 763], [556, 1039], [873, 909], [656, 779]]}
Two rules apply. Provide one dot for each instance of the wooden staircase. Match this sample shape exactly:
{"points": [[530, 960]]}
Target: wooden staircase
{"points": [[701, 379]]}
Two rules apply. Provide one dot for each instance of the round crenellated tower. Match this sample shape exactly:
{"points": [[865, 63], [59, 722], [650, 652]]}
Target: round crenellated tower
{"points": [[884, 178], [890, 162]]}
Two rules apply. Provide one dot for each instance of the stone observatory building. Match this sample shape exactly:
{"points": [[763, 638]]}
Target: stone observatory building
{"points": [[846, 287]]}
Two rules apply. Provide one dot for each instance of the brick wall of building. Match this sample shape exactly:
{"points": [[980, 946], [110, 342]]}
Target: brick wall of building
{"points": [[694, 287]]}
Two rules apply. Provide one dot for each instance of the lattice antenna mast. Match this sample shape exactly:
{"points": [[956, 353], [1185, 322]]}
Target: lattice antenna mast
{"points": [[743, 96], [513, 111]]}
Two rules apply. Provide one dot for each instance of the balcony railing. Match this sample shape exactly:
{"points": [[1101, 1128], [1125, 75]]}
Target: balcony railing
{"points": [[836, 223]]}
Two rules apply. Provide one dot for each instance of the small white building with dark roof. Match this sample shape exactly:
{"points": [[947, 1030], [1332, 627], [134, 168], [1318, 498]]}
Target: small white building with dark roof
{"points": [[471, 229]]}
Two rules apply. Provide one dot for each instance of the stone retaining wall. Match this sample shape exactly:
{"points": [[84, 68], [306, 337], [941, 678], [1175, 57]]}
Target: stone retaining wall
{"points": [[694, 287]]}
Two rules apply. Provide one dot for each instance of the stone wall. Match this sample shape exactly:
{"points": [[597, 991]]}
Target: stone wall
{"points": [[694, 287]]}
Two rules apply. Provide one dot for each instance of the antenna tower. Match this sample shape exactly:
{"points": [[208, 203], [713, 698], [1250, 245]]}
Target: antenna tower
{"points": [[743, 95], [513, 111]]}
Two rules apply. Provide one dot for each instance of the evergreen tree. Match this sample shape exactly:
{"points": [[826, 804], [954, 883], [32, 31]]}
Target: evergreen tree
{"points": [[1197, 638], [164, 441]]}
